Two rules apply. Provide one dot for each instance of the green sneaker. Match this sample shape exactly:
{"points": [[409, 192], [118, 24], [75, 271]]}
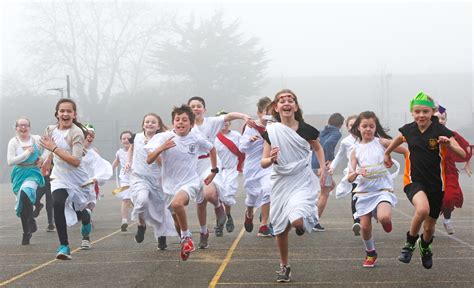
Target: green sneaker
{"points": [[426, 255], [407, 252]]}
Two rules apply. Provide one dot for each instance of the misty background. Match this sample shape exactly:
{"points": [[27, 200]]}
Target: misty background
{"points": [[125, 59]]}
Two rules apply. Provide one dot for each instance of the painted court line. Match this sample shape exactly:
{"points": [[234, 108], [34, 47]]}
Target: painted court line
{"points": [[14, 278], [227, 258]]}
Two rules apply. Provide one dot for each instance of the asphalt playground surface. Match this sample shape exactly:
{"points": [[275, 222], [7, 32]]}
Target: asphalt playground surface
{"points": [[239, 259]]}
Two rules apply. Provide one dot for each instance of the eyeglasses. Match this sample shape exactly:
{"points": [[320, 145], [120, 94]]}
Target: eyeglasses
{"points": [[23, 125]]}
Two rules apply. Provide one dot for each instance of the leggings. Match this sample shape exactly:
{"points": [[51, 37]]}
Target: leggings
{"points": [[59, 200], [26, 213], [46, 191]]}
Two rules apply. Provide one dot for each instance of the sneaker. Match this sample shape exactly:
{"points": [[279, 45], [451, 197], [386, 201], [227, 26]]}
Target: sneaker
{"points": [[299, 231], [318, 228], [426, 254], [203, 237], [32, 225], [26, 239], [221, 217], [370, 260], [387, 227], [229, 225], [64, 253], [356, 228], [162, 243], [248, 223], [50, 228], [219, 231], [284, 274], [86, 229], [187, 246], [140, 236], [449, 227], [124, 227], [264, 231], [37, 210], [407, 252], [85, 244]]}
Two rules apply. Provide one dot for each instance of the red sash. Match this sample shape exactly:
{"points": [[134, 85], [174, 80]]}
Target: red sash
{"points": [[260, 129], [234, 149]]}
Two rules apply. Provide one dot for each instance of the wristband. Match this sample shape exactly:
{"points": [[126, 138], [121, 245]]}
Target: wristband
{"points": [[215, 170], [54, 149]]}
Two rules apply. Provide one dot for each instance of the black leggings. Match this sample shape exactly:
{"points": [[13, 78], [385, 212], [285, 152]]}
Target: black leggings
{"points": [[46, 191], [26, 213], [353, 204], [59, 200]]}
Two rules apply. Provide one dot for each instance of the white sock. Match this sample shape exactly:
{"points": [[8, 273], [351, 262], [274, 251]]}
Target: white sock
{"points": [[446, 221], [369, 244], [185, 233], [203, 229], [124, 220]]}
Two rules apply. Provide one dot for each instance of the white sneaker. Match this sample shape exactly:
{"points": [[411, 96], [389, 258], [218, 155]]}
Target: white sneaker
{"points": [[356, 229], [85, 244], [449, 228]]}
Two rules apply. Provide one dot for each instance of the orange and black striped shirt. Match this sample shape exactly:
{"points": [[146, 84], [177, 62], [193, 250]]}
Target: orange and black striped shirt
{"points": [[425, 162]]}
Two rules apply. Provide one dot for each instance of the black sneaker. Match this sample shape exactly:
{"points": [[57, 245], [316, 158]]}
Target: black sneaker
{"points": [[299, 231], [124, 227], [32, 225], [284, 274], [219, 230], [426, 255], [37, 210], [140, 236], [318, 228], [162, 243], [50, 228], [229, 225], [407, 252], [26, 239]]}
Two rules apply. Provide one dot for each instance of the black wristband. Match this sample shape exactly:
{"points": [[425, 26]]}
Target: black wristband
{"points": [[215, 170], [54, 149]]}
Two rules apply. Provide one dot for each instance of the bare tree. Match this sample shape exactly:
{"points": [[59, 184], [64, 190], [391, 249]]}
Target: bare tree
{"points": [[101, 45]]}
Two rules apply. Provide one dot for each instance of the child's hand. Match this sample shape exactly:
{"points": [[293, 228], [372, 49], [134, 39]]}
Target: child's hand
{"points": [[48, 143], [168, 144], [443, 140], [209, 178], [467, 168], [254, 138], [250, 122], [362, 172], [127, 166], [387, 160], [330, 171], [45, 168], [274, 154]]}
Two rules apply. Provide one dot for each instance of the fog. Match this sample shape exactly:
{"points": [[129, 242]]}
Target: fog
{"points": [[125, 59]]}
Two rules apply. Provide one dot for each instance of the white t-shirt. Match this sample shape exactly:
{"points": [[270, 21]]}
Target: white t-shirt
{"points": [[139, 165], [227, 159], [179, 163]]}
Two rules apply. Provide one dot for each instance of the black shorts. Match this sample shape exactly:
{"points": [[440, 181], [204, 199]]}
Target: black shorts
{"points": [[435, 197]]}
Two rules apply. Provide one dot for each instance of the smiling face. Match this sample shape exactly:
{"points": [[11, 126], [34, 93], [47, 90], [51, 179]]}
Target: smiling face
{"points": [[125, 140], [65, 114], [182, 124], [422, 115], [367, 129], [198, 109], [150, 125], [89, 138], [286, 105], [22, 127]]}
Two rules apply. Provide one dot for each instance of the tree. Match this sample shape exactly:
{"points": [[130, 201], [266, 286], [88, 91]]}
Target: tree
{"points": [[101, 45], [211, 59]]}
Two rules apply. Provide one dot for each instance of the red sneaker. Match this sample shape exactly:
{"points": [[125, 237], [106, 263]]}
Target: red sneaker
{"points": [[248, 224], [264, 231], [187, 246], [370, 261]]}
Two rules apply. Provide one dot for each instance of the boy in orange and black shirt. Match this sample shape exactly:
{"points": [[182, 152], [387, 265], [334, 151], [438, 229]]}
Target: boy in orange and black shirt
{"points": [[428, 142]]}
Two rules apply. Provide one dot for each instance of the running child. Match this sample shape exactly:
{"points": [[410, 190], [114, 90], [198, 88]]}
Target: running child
{"points": [[257, 179], [24, 152], [65, 141], [178, 151], [149, 205], [209, 127], [424, 177], [287, 148], [374, 195], [230, 162], [123, 179], [453, 196]]}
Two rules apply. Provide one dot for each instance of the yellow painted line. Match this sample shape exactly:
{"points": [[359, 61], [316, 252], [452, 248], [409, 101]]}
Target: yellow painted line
{"points": [[6, 282], [227, 258]]}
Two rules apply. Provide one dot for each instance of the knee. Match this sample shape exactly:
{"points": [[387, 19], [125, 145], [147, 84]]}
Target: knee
{"points": [[385, 219], [176, 205], [298, 224], [422, 211]]}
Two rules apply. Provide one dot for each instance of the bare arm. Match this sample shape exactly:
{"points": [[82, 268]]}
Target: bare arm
{"points": [[399, 149], [395, 143], [213, 158], [267, 157], [352, 175], [452, 144], [49, 144], [237, 115]]}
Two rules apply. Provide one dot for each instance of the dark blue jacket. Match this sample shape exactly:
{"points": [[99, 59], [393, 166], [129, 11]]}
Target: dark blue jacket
{"points": [[328, 139]]}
